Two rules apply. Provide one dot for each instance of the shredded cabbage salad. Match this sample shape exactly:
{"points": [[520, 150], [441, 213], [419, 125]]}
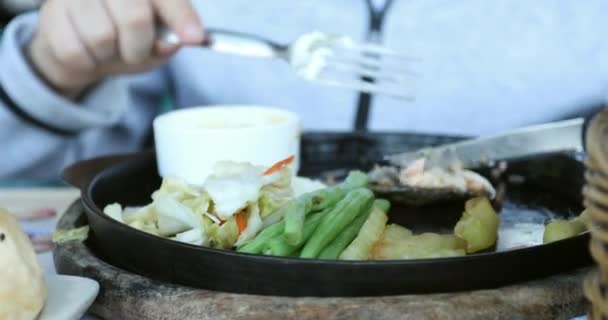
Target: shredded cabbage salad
{"points": [[236, 201]]}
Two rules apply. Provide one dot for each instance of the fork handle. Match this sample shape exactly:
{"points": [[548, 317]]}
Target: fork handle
{"points": [[231, 42]]}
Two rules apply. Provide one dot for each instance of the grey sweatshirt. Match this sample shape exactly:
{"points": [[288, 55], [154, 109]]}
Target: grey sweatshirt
{"points": [[486, 66]]}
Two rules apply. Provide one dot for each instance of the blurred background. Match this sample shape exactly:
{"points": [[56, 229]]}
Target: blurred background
{"points": [[11, 8]]}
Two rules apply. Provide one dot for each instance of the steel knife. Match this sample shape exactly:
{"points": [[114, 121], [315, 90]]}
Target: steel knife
{"points": [[561, 136]]}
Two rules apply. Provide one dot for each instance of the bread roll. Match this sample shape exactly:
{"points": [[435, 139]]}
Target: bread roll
{"points": [[22, 287]]}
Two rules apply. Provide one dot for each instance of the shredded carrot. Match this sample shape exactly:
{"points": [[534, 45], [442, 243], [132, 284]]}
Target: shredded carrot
{"points": [[279, 165], [241, 221]]}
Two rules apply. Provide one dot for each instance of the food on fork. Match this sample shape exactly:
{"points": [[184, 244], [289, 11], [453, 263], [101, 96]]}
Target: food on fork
{"points": [[23, 290], [325, 58]]}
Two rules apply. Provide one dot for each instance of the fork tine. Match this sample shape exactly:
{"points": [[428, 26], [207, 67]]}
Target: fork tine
{"points": [[341, 62], [369, 87], [363, 71], [348, 73], [374, 50], [370, 66], [373, 60]]}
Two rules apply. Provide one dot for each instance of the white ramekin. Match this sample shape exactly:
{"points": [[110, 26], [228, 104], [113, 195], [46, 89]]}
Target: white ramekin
{"points": [[189, 142]]}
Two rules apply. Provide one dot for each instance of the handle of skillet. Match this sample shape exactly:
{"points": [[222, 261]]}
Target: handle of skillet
{"points": [[80, 174]]}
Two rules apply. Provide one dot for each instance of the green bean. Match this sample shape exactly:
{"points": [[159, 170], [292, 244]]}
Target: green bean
{"points": [[317, 201], [335, 248], [382, 204], [356, 201], [294, 221], [324, 198], [356, 179], [259, 242], [311, 202], [328, 197], [278, 246]]}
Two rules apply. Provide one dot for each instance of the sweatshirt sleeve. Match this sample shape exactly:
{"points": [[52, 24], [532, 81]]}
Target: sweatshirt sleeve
{"points": [[40, 130], [32, 100]]}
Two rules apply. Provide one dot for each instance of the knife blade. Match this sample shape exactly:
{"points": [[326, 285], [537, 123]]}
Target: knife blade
{"points": [[551, 137]]}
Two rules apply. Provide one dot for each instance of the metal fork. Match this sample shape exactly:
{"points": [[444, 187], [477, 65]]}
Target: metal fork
{"points": [[323, 58]]}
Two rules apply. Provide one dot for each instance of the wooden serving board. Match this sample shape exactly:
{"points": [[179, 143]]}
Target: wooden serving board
{"points": [[127, 296]]}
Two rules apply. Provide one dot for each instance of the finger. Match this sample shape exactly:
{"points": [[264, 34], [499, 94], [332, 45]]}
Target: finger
{"points": [[95, 27], [165, 50], [134, 20], [181, 17], [120, 68], [64, 43]]}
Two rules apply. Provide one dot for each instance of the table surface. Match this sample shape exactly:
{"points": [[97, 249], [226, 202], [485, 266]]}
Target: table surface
{"points": [[24, 197]]}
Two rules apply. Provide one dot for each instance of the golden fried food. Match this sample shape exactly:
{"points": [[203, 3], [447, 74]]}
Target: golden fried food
{"points": [[478, 225], [563, 229], [398, 243], [22, 287]]}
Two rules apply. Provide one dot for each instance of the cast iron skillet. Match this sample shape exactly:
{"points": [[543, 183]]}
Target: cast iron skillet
{"points": [[552, 183]]}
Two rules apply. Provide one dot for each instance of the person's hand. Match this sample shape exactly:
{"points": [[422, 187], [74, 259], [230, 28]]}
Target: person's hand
{"points": [[79, 42]]}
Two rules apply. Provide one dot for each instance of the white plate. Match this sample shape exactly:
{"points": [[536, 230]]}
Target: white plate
{"points": [[69, 297]]}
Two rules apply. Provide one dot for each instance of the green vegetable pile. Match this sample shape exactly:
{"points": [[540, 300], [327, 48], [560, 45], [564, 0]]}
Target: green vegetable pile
{"points": [[320, 224]]}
